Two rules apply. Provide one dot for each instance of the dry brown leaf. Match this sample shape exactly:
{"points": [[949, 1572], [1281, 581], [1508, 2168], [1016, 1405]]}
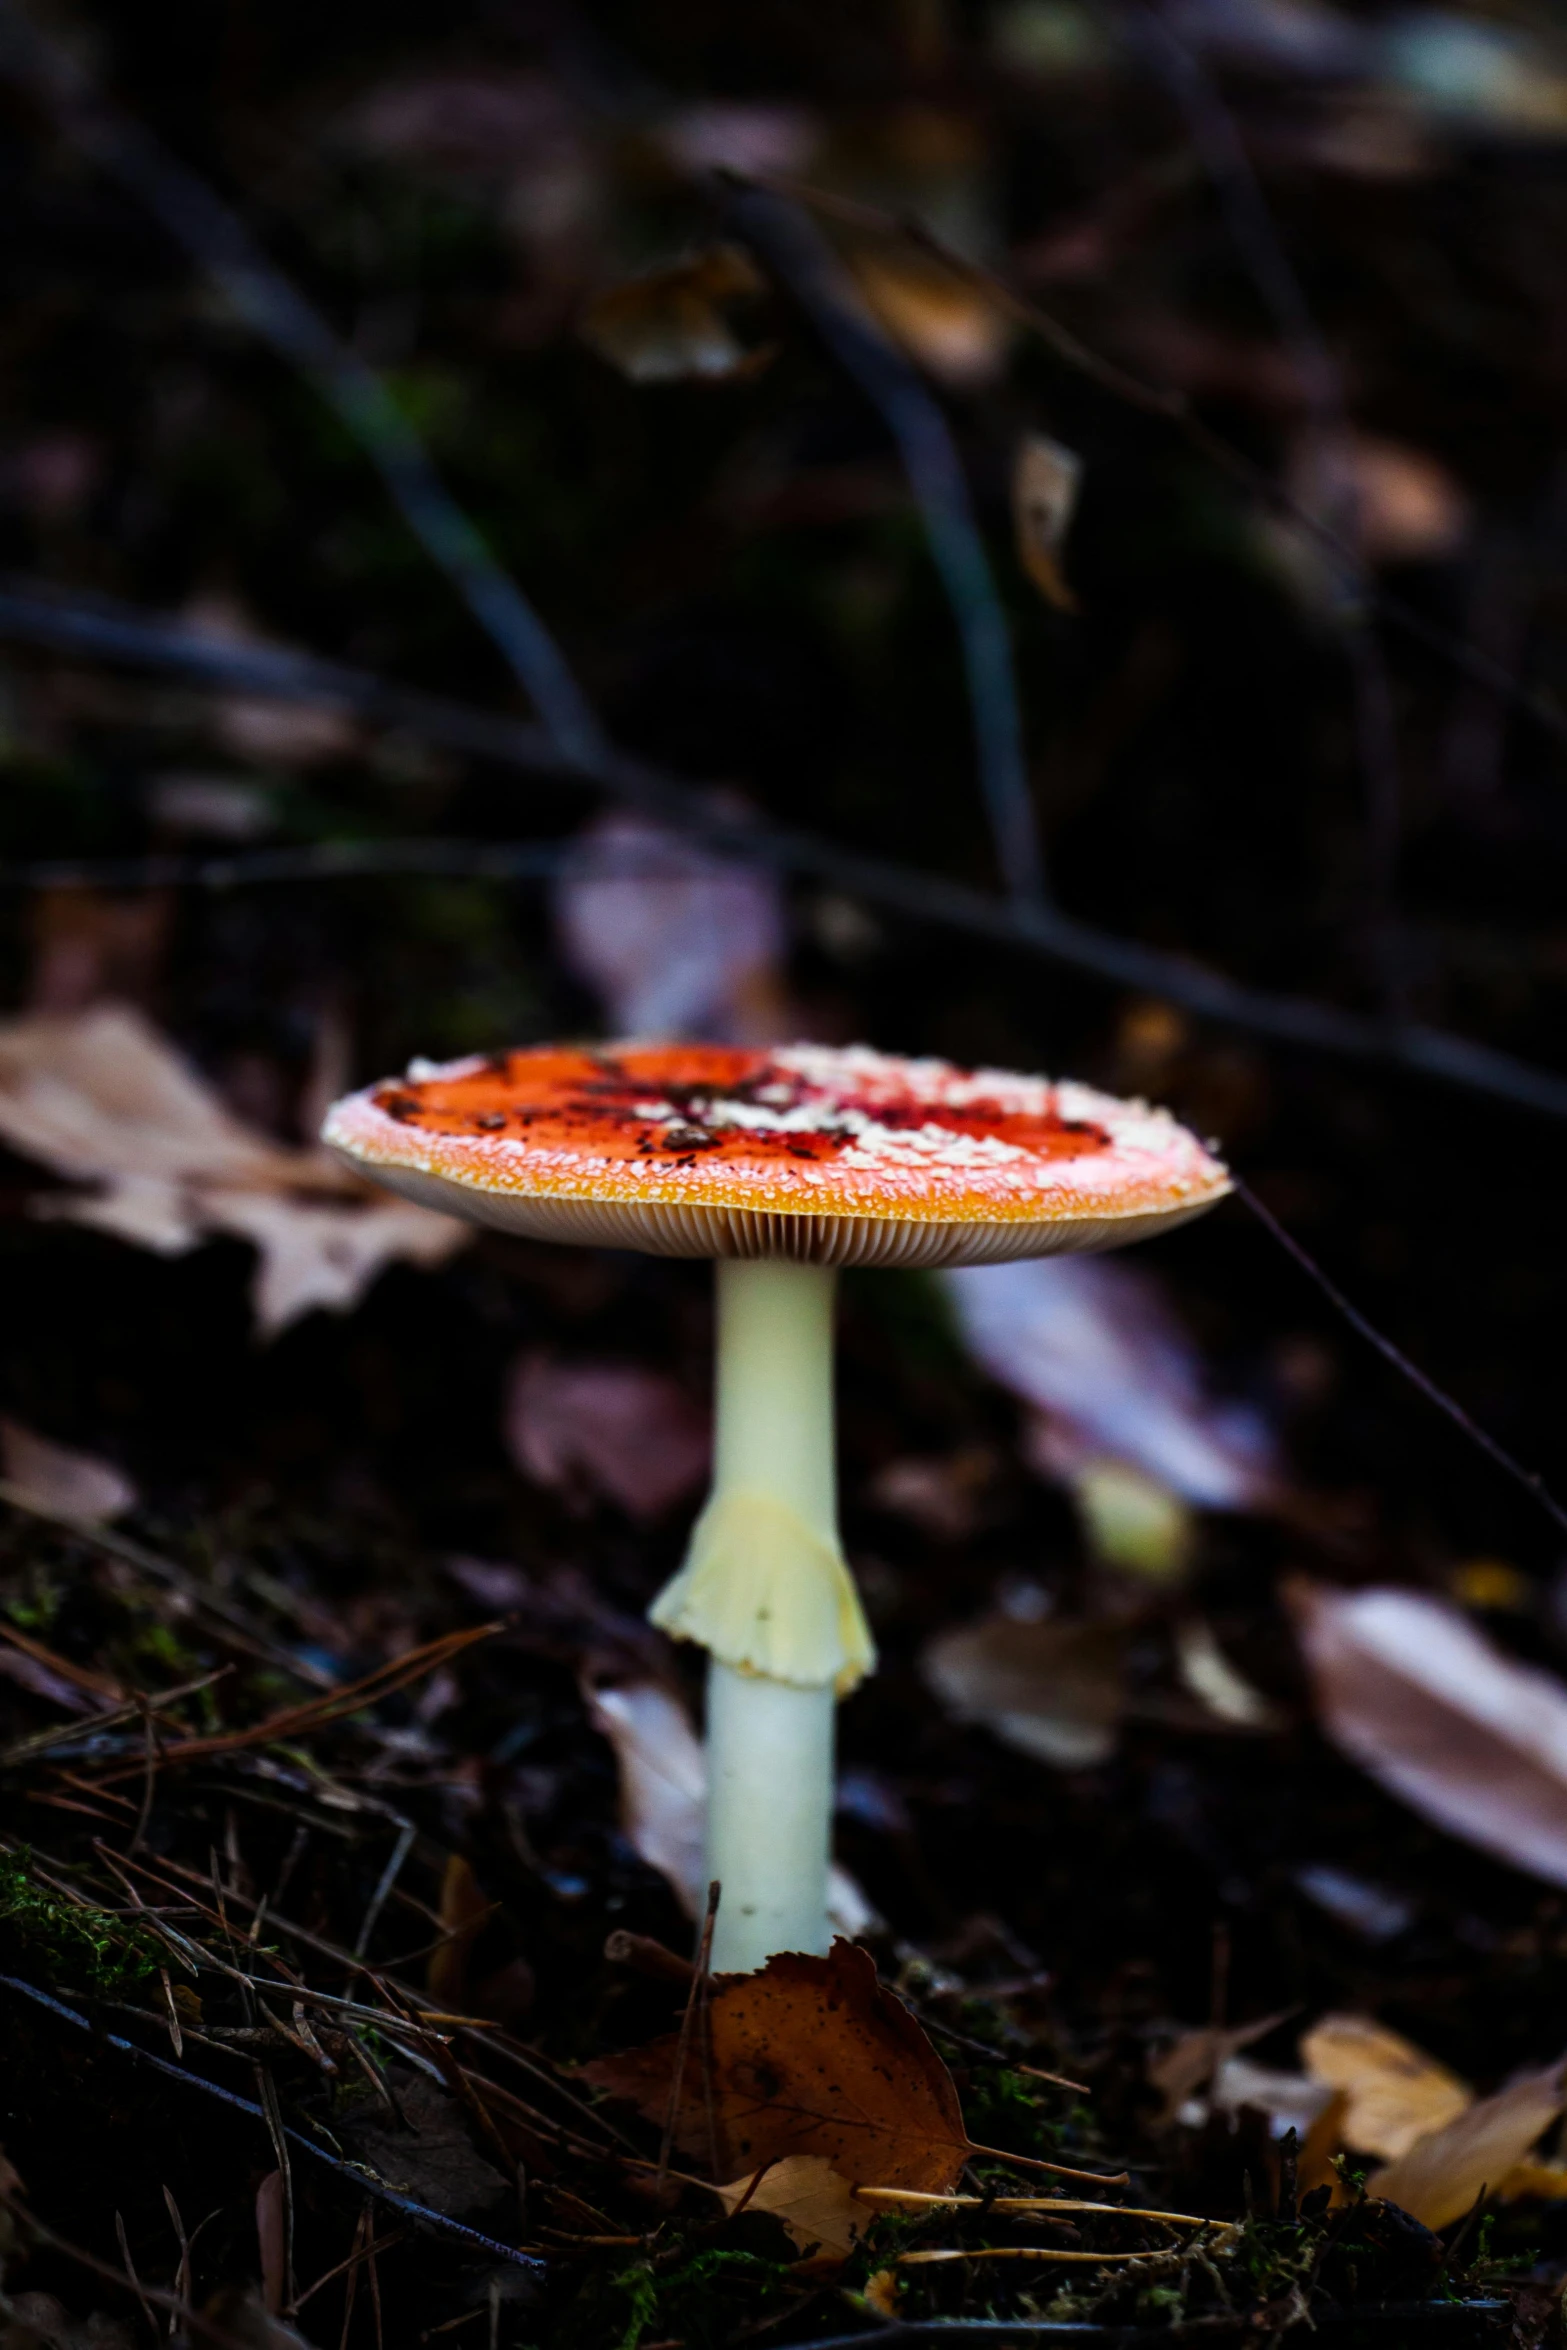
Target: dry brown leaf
{"points": [[1046, 478], [1192, 2059], [1545, 2181], [948, 325], [810, 2056], [619, 1430], [815, 2204], [1408, 1688], [102, 1099], [663, 1797], [57, 1477], [464, 1912], [1394, 2093], [1054, 1690], [1442, 2175], [673, 323], [1322, 2142]]}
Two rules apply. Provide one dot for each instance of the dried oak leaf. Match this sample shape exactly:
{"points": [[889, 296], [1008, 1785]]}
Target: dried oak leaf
{"points": [[810, 2056]]}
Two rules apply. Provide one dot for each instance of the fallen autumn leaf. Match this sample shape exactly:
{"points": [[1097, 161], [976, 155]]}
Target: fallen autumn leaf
{"points": [[808, 2056], [1409, 1689]]}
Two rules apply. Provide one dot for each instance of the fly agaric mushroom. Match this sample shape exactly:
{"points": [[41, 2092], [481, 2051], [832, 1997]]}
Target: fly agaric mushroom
{"points": [[782, 1166]]}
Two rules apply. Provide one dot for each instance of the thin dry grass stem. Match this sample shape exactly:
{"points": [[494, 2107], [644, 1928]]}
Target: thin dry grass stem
{"points": [[503, 2043], [130, 2269], [1024, 2252], [999, 2056], [1094, 2178], [271, 2105], [237, 1626], [755, 2181], [35, 2229], [363, 2229], [682, 2049], [704, 1990], [460, 2083], [319, 1713], [912, 2199], [182, 2275], [150, 1765], [372, 2269], [176, 2038], [388, 1878], [131, 1709], [357, 2254]]}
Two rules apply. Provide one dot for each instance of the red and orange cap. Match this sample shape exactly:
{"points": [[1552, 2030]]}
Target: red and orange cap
{"points": [[841, 1156]]}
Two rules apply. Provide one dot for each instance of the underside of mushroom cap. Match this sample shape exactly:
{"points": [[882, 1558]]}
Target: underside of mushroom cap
{"points": [[837, 1156]]}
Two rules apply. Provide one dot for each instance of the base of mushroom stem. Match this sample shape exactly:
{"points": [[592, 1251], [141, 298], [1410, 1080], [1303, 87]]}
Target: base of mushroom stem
{"points": [[769, 1815]]}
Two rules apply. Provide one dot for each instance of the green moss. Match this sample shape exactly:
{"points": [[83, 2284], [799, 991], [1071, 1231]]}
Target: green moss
{"points": [[76, 1948]]}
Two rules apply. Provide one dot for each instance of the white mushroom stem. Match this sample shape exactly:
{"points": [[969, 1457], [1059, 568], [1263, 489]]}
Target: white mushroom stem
{"points": [[769, 1815], [765, 1590]]}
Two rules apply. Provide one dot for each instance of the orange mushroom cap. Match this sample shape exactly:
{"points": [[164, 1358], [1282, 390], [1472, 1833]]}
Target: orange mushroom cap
{"points": [[838, 1156]]}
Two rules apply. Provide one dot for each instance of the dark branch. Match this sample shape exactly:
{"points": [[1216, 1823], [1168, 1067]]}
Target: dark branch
{"points": [[115, 633]]}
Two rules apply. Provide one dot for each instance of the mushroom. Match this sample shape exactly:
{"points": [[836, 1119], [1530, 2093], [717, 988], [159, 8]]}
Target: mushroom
{"points": [[782, 1166]]}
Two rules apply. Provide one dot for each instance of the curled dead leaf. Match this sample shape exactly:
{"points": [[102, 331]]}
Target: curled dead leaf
{"points": [[102, 1099], [1046, 478], [673, 323]]}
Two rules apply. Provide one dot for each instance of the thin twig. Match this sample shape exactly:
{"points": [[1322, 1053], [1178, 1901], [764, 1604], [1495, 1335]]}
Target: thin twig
{"points": [[379, 2244], [388, 1878], [682, 2045], [1095, 2178], [1218, 141], [34, 2228], [373, 2187], [130, 2270], [1533, 1484], [1173, 406], [999, 2056], [789, 243], [266, 2092], [1023, 2252], [1408, 1046], [215, 237], [915, 2199]]}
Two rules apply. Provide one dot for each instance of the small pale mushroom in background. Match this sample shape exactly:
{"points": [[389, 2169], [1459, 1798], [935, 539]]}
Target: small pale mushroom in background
{"points": [[782, 1166]]}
